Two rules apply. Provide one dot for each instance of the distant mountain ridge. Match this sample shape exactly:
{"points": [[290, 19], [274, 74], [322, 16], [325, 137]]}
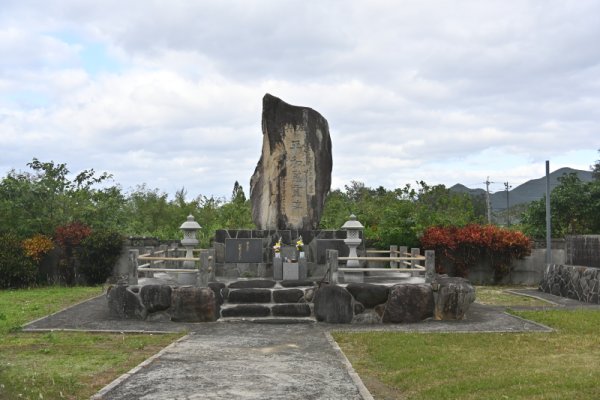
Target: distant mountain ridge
{"points": [[527, 192]]}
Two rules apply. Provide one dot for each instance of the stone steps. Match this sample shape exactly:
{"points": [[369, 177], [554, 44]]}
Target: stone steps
{"points": [[261, 302], [269, 320], [288, 310]]}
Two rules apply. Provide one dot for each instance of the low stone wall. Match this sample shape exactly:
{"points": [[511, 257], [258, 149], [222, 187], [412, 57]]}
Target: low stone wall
{"points": [[363, 303], [578, 283]]}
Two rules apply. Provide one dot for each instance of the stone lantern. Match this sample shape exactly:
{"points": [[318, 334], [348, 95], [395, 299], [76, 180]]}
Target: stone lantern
{"points": [[189, 241], [353, 240]]}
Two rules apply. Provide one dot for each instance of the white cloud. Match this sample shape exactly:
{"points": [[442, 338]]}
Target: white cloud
{"points": [[169, 93]]}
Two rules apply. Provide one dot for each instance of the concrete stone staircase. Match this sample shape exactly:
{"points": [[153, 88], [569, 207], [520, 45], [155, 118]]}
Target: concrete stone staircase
{"points": [[268, 301]]}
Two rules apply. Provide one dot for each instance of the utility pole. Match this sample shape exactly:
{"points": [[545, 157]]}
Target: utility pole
{"points": [[487, 200], [548, 217], [506, 185]]}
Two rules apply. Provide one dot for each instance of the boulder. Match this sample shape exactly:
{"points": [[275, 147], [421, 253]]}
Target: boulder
{"points": [[358, 307], [453, 297], [333, 304], [368, 294], [218, 288], [293, 175], [156, 297], [193, 304], [369, 317], [409, 303], [124, 303]]}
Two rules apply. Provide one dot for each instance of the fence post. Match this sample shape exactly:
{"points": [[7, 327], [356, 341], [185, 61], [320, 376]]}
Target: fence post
{"points": [[393, 253], [203, 268], [132, 277], [403, 251], [332, 265], [414, 252], [150, 251], [429, 266], [211, 266]]}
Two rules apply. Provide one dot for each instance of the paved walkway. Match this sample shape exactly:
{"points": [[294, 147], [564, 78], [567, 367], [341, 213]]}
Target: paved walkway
{"points": [[258, 361]]}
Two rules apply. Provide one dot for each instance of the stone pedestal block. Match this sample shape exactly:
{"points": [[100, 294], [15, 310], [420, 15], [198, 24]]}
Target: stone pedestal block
{"points": [[295, 271], [278, 268]]}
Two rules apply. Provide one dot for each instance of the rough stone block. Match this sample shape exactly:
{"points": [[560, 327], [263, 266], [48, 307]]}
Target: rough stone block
{"points": [[368, 294], [217, 288], [369, 317], [409, 303], [333, 304], [452, 298], [193, 304], [124, 303], [156, 297]]}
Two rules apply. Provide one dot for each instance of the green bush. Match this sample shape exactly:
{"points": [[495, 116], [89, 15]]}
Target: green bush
{"points": [[16, 269], [98, 253]]}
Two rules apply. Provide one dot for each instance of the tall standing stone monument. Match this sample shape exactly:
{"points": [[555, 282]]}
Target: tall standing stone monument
{"points": [[293, 176]]}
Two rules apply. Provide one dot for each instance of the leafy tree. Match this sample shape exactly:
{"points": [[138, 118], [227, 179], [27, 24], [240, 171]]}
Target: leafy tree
{"points": [[38, 202], [237, 214], [98, 254], [596, 170], [575, 209], [397, 216], [16, 268]]}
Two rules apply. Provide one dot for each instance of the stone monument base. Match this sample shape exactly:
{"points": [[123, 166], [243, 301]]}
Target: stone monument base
{"points": [[241, 253]]}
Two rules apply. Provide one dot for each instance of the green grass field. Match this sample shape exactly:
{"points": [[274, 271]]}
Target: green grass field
{"points": [[62, 365], [560, 365], [564, 364]]}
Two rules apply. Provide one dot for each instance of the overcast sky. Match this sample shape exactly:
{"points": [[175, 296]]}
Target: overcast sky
{"points": [[169, 93]]}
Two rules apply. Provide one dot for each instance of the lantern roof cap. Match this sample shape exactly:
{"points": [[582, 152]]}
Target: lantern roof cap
{"points": [[190, 224], [352, 224]]}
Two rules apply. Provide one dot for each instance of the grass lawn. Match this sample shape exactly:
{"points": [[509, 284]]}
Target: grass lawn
{"points": [[497, 295], [560, 365], [62, 365]]}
